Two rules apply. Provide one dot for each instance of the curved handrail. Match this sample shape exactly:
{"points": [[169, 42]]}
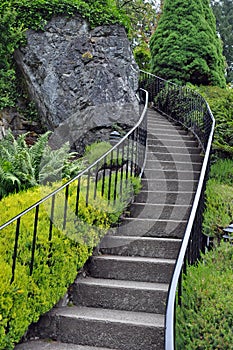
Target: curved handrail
{"points": [[86, 170], [128, 155], [170, 319], [203, 129]]}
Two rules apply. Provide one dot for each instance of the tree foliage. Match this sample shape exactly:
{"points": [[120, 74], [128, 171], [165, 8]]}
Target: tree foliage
{"points": [[185, 46], [223, 11]]}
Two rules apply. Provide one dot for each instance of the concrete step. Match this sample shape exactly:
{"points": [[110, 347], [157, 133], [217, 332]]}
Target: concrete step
{"points": [[161, 197], [173, 149], [167, 130], [174, 157], [131, 268], [164, 126], [50, 344], [163, 137], [152, 247], [159, 211], [172, 165], [150, 228], [120, 295], [170, 174], [168, 185], [115, 329], [154, 141]]}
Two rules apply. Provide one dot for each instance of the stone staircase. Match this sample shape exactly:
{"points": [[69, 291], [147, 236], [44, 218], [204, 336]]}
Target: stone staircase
{"points": [[119, 302]]}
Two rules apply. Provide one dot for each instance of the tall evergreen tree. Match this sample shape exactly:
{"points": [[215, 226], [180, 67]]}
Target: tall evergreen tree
{"points": [[185, 46], [223, 11]]}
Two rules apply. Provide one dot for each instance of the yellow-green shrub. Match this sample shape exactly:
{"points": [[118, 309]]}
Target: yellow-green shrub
{"points": [[57, 260]]}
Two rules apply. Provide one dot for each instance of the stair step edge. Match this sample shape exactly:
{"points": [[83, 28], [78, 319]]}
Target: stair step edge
{"points": [[48, 344], [142, 238], [104, 282], [134, 259], [109, 315]]}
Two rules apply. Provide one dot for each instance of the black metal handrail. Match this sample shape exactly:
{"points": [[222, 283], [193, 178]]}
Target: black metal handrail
{"points": [[192, 111], [124, 160]]}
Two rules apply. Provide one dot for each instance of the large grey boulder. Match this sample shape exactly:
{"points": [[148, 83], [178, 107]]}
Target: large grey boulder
{"points": [[80, 78]]}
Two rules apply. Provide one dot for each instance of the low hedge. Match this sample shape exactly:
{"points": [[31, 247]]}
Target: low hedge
{"points": [[205, 319], [57, 260], [219, 198]]}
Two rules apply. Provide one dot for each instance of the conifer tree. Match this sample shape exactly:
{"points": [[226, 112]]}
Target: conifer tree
{"points": [[223, 11], [185, 46]]}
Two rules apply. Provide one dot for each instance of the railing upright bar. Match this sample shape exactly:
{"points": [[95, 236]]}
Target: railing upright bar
{"points": [[34, 239], [65, 206], [51, 218], [96, 180], [136, 153], [103, 179], [15, 250], [132, 154], [122, 168], [116, 177], [128, 161], [88, 186], [110, 178], [77, 196]]}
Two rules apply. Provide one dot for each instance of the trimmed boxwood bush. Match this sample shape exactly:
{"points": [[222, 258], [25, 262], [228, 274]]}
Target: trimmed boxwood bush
{"points": [[221, 104], [205, 319], [219, 198]]}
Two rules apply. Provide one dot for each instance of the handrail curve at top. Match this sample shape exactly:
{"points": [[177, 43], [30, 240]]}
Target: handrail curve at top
{"points": [[91, 166], [105, 176]]}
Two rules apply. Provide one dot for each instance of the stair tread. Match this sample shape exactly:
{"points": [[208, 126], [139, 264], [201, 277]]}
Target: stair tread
{"points": [[135, 259], [109, 315], [127, 239], [54, 345], [104, 282], [152, 220]]}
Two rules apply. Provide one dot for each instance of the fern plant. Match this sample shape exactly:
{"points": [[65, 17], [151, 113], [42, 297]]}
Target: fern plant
{"points": [[22, 167]]}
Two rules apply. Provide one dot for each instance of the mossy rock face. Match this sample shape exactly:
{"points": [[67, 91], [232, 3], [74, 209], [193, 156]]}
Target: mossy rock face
{"points": [[80, 78]]}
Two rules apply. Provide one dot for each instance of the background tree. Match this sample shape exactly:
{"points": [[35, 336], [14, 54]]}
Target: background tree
{"points": [[142, 15], [223, 11], [185, 46]]}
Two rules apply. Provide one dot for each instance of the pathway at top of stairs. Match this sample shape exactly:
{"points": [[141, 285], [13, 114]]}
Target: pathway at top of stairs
{"points": [[120, 302]]}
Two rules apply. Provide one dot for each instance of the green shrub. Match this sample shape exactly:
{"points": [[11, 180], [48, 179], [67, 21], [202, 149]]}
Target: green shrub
{"points": [[222, 171], [205, 319], [96, 150], [219, 208], [219, 198], [221, 104], [58, 258], [142, 56]]}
